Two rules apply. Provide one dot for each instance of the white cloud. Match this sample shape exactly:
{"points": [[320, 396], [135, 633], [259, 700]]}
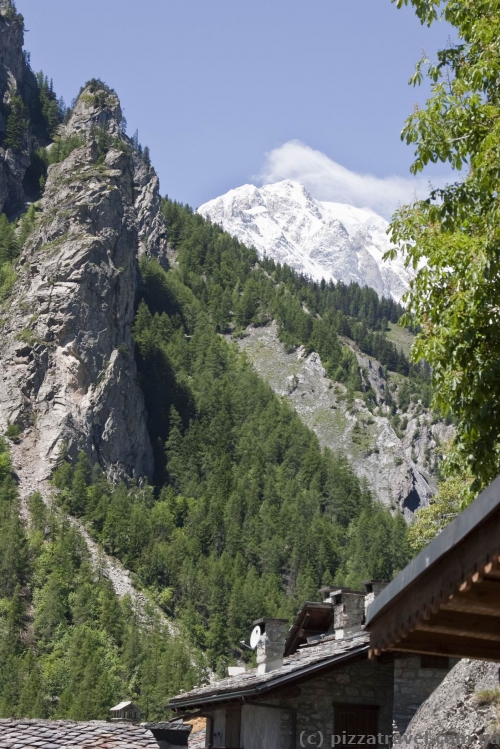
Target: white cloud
{"points": [[327, 180]]}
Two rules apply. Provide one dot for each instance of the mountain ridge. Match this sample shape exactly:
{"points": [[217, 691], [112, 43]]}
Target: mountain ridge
{"points": [[320, 239]]}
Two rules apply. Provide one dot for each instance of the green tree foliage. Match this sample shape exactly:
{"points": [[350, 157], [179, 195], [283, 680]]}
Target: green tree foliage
{"points": [[27, 225], [8, 278], [9, 246], [17, 122], [47, 114], [69, 648], [251, 515], [455, 296], [446, 504], [9, 250]]}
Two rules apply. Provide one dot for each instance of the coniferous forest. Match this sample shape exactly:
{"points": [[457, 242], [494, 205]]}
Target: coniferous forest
{"points": [[247, 516]]}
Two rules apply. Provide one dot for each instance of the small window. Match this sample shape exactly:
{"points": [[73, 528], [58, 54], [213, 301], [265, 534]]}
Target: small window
{"points": [[434, 661]]}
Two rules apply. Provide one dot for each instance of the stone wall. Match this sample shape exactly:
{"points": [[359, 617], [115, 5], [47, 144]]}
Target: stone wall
{"points": [[398, 688], [362, 683], [412, 685]]}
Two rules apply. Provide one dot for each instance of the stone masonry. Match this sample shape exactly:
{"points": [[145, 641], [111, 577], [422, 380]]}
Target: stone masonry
{"points": [[362, 683], [412, 686]]}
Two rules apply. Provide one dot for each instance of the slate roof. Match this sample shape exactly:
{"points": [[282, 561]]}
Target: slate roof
{"points": [[67, 734], [307, 659]]}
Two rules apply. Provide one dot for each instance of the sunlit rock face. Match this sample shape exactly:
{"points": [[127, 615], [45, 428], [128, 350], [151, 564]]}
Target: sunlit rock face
{"points": [[69, 378]]}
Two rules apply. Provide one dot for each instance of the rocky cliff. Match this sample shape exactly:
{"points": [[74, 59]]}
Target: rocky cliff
{"points": [[69, 375], [398, 465], [15, 78], [462, 711]]}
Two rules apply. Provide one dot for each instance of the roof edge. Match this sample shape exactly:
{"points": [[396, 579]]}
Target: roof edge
{"points": [[272, 683], [485, 505]]}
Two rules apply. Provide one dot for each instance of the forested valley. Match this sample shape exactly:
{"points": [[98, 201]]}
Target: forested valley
{"points": [[248, 516]]}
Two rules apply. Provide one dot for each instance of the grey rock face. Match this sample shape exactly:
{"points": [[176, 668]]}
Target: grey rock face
{"points": [[11, 45], [15, 76], [453, 715], [394, 466], [151, 227], [13, 165], [69, 374]]}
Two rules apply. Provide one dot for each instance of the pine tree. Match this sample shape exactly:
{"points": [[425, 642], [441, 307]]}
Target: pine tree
{"points": [[8, 242], [81, 480], [17, 122], [175, 449], [32, 698], [14, 561]]}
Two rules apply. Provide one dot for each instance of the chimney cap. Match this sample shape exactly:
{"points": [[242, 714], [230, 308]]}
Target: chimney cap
{"points": [[368, 584], [340, 589], [269, 620]]}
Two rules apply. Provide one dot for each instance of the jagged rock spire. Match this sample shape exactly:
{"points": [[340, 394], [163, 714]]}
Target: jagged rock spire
{"points": [[70, 378]]}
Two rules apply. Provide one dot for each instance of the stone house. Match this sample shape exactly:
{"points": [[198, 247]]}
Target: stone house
{"points": [[314, 684]]}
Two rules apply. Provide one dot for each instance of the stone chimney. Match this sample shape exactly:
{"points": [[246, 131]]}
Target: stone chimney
{"points": [[372, 589], [348, 609], [126, 712], [271, 646]]}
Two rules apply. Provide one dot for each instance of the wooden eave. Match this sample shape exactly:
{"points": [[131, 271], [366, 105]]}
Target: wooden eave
{"points": [[447, 601]]}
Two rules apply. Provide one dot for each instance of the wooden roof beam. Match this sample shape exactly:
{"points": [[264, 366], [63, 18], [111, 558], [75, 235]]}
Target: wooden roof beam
{"points": [[452, 646], [462, 624], [480, 599]]}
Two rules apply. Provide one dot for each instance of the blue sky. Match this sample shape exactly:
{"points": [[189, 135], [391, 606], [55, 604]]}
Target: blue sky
{"points": [[219, 89]]}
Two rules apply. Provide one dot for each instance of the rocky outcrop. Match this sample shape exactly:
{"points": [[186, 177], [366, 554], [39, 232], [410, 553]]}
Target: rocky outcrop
{"points": [[394, 465], [15, 77], [69, 377], [462, 711]]}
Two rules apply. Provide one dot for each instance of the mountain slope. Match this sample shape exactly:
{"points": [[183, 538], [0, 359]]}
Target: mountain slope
{"points": [[115, 370], [394, 463], [70, 644], [334, 241]]}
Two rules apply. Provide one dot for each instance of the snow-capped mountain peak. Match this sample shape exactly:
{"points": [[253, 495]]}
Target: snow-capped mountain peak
{"points": [[320, 239]]}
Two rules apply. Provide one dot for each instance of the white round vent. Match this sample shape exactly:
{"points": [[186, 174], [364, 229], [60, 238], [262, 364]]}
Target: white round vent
{"points": [[255, 637]]}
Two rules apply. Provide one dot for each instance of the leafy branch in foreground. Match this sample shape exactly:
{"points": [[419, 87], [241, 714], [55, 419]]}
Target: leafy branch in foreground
{"points": [[453, 237]]}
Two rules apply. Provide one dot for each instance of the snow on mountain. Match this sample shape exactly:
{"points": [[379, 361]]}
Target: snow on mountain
{"points": [[320, 239]]}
